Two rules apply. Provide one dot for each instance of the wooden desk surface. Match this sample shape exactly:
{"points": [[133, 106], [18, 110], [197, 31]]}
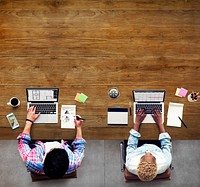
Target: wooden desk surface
{"points": [[90, 47]]}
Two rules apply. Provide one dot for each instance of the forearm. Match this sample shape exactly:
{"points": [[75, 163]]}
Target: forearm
{"points": [[136, 127], [133, 140], [79, 132], [161, 128], [27, 128]]}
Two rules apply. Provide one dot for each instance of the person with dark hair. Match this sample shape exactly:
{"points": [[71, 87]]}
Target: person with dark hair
{"points": [[53, 158]]}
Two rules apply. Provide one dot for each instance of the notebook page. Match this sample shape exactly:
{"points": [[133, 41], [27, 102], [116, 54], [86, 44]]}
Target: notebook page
{"points": [[175, 110], [67, 116]]}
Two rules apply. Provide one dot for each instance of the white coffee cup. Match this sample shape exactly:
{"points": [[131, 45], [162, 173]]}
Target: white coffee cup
{"points": [[14, 102]]}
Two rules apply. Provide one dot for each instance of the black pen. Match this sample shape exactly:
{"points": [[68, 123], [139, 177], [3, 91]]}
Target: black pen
{"points": [[183, 122], [130, 108], [79, 118]]}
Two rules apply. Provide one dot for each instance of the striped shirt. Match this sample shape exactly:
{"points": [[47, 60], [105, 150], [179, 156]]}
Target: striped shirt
{"points": [[33, 156]]}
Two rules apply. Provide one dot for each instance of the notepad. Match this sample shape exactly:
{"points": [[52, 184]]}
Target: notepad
{"points": [[177, 92], [81, 97], [67, 116], [117, 116], [183, 92], [175, 110]]}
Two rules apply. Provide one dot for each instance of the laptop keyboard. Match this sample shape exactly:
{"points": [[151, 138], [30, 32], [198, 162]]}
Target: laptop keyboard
{"points": [[149, 107], [45, 108]]}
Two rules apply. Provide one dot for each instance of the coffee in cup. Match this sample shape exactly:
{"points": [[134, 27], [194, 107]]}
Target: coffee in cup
{"points": [[14, 102]]}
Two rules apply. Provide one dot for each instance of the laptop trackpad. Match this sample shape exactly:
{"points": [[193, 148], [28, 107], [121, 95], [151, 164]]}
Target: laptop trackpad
{"points": [[41, 119], [148, 119]]}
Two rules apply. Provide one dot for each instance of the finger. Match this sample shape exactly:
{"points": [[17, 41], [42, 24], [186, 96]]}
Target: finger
{"points": [[29, 109], [158, 112], [138, 111], [153, 114], [36, 116], [141, 111], [153, 110], [34, 109], [144, 115]]}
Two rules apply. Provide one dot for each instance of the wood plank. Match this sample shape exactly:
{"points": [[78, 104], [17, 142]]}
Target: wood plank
{"points": [[109, 4], [91, 46]]}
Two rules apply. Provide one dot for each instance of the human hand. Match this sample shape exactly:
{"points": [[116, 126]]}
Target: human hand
{"points": [[157, 116], [31, 115], [140, 116], [78, 121]]}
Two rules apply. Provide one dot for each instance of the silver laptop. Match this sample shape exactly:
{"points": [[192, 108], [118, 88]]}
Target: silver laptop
{"points": [[149, 100], [46, 102]]}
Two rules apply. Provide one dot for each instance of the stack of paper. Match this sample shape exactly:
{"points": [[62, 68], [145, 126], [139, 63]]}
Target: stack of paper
{"points": [[67, 116], [175, 111]]}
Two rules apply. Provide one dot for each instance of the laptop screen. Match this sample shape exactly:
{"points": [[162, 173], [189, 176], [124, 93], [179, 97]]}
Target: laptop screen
{"points": [[42, 94], [148, 95]]}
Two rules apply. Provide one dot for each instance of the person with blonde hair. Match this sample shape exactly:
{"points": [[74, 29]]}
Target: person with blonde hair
{"points": [[148, 160]]}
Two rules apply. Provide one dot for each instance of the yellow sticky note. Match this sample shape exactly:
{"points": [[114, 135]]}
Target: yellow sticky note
{"points": [[76, 97], [177, 92]]}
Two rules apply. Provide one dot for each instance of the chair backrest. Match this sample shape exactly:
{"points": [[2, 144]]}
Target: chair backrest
{"points": [[35, 177]]}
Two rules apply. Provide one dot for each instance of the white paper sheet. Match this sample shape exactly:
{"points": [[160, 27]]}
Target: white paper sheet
{"points": [[119, 117], [67, 116], [175, 110]]}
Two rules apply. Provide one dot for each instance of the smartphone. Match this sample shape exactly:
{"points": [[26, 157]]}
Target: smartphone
{"points": [[12, 120]]}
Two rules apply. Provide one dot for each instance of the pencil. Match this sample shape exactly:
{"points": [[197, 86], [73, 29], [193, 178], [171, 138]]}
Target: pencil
{"points": [[183, 122]]}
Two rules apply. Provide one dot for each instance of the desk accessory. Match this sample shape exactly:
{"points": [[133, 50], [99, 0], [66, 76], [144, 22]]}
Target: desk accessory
{"points": [[175, 111], [117, 116], [67, 116], [177, 92], [183, 122], [81, 97], [113, 93], [79, 117], [12, 120], [130, 108], [193, 97], [14, 102], [181, 92]]}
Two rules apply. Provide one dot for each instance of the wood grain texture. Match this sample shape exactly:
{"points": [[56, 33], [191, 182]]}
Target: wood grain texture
{"points": [[91, 46]]}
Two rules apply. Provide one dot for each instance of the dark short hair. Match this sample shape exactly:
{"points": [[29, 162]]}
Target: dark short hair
{"points": [[56, 163]]}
